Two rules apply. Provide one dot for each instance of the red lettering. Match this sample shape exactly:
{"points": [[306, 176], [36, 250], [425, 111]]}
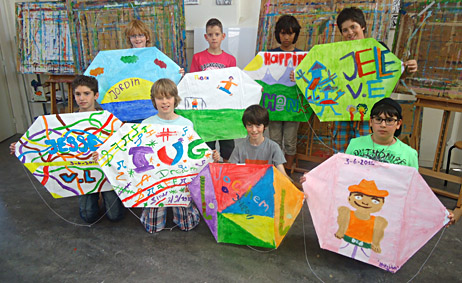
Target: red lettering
{"points": [[267, 56], [286, 61], [360, 64], [274, 58], [281, 58], [299, 59]]}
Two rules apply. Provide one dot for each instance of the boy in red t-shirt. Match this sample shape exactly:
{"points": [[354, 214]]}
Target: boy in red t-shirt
{"points": [[210, 59]]}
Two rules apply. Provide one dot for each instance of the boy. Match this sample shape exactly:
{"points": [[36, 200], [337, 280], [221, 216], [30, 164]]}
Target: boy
{"points": [[382, 145], [352, 25], [85, 91], [256, 149], [286, 34], [164, 96], [214, 58]]}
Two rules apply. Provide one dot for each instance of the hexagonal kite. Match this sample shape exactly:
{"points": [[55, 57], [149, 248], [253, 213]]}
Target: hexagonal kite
{"points": [[281, 96], [57, 151], [343, 80], [246, 204], [215, 101], [125, 78], [374, 212], [151, 165]]}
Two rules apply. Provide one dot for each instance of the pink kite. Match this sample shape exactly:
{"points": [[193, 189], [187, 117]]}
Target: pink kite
{"points": [[375, 212]]}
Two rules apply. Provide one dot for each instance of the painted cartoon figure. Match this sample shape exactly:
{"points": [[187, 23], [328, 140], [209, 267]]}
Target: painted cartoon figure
{"points": [[228, 85], [194, 104], [359, 230], [320, 83]]}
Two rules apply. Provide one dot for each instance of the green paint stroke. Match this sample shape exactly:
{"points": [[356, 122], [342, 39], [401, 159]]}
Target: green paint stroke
{"points": [[282, 231], [204, 206], [201, 151], [208, 124], [129, 59], [284, 103]]}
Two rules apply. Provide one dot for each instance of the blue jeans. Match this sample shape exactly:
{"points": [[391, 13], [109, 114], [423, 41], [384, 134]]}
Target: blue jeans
{"points": [[89, 209]]}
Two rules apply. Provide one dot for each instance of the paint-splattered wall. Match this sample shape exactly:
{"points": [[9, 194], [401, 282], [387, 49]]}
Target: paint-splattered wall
{"points": [[431, 33], [99, 25], [317, 19], [63, 38], [43, 38]]}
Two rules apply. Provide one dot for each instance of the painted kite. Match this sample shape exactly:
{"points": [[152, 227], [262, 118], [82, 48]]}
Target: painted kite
{"points": [[57, 151], [125, 78], [215, 101], [281, 96], [151, 165], [246, 204], [377, 213], [341, 81]]}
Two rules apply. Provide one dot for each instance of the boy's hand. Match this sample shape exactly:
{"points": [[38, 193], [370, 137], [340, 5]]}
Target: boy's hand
{"points": [[216, 156], [451, 219], [411, 66], [95, 156], [302, 179], [182, 72], [13, 147], [292, 76]]}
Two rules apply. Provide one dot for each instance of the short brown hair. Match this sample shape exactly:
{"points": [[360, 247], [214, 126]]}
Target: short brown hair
{"points": [[214, 22], [255, 115], [353, 14], [87, 81], [164, 88], [137, 27]]}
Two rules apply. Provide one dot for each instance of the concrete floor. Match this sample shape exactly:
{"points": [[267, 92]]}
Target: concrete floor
{"points": [[38, 246]]}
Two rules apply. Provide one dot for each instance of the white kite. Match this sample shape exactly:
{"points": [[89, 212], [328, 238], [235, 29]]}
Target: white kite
{"points": [[215, 101]]}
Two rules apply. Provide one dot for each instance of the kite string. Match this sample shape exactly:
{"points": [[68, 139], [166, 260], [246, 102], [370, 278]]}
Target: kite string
{"points": [[252, 248], [428, 257], [57, 214], [260, 251], [304, 244]]}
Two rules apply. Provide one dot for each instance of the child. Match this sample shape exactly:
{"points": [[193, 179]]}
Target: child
{"points": [[352, 25], [382, 145], [257, 149], [286, 34], [138, 35], [85, 91], [164, 96], [214, 58]]}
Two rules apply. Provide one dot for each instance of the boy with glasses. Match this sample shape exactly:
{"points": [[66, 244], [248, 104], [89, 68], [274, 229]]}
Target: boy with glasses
{"points": [[382, 145]]}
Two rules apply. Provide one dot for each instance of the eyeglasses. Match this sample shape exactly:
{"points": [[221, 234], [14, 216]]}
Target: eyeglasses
{"points": [[388, 121], [135, 36]]}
